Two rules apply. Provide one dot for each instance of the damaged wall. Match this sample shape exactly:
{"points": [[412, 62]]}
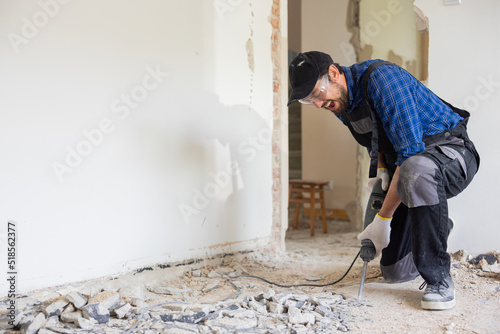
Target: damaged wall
{"points": [[136, 133], [389, 31], [469, 77]]}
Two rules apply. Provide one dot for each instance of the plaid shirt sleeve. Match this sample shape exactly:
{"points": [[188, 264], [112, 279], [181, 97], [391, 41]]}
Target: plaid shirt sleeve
{"points": [[391, 91]]}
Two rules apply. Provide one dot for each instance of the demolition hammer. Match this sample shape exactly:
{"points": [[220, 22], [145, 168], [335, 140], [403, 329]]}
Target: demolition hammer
{"points": [[367, 252]]}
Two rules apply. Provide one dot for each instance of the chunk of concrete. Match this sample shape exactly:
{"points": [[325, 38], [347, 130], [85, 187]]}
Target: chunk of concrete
{"points": [[121, 312], [56, 308], [257, 307], [281, 298], [298, 318], [32, 324], [97, 312], [274, 307], [71, 317], [77, 299], [87, 324], [52, 321], [250, 314], [324, 311], [190, 319], [108, 299]]}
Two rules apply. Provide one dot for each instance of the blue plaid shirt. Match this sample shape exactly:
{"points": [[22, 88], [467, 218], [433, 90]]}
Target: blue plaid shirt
{"points": [[409, 111]]}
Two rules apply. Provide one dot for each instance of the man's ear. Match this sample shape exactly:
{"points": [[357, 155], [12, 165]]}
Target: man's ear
{"points": [[333, 73]]}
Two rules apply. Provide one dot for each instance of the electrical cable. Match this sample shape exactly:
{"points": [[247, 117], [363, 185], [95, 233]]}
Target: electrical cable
{"points": [[238, 292], [304, 284]]}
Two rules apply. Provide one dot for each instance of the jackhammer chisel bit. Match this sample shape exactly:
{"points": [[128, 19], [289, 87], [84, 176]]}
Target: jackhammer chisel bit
{"points": [[367, 252]]}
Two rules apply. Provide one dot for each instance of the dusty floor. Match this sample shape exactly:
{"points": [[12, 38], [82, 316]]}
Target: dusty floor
{"points": [[324, 258], [395, 308]]}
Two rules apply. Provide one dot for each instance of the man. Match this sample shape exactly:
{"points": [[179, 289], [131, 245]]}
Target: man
{"points": [[415, 140]]}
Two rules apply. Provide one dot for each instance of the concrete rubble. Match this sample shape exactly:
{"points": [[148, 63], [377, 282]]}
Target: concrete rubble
{"points": [[175, 307], [488, 263], [265, 312], [199, 300]]}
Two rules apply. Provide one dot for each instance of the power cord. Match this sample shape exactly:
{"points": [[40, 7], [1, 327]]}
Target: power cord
{"points": [[297, 285], [239, 291]]}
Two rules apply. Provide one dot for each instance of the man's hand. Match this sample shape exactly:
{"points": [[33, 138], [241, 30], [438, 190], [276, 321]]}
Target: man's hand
{"points": [[379, 232], [382, 174]]}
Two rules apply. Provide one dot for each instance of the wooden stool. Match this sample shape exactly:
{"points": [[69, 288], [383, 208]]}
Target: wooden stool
{"points": [[303, 186]]}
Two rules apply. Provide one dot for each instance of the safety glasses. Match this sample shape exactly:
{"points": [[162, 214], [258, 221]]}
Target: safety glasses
{"points": [[319, 93]]}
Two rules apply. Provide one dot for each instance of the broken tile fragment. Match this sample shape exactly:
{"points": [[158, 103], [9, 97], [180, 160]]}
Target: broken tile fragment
{"points": [[47, 295], [324, 311], [297, 317], [281, 298], [31, 324], [77, 299], [269, 294], [191, 319], [108, 299], [489, 258], [56, 307], [122, 311], [71, 317], [257, 307], [87, 324], [97, 312], [274, 307], [52, 321], [244, 313], [231, 310]]}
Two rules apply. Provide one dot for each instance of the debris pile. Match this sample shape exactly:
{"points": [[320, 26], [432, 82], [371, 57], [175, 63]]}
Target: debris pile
{"points": [[486, 262], [108, 312]]}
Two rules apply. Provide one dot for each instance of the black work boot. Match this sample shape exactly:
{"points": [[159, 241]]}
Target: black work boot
{"points": [[439, 296]]}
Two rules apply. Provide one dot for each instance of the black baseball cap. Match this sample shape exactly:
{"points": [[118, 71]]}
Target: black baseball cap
{"points": [[304, 71]]}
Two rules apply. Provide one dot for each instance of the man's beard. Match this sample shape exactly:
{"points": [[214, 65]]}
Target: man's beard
{"points": [[343, 100]]}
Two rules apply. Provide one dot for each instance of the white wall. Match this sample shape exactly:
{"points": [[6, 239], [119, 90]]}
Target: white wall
{"points": [[157, 184], [463, 68], [328, 149]]}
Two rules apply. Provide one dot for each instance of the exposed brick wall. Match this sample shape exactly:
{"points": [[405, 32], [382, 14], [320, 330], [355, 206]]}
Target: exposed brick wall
{"points": [[277, 237]]}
